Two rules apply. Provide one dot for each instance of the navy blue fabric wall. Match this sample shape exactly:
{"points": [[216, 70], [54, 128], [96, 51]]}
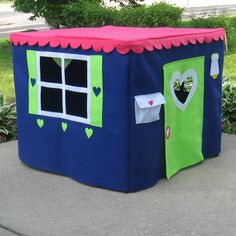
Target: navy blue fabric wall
{"points": [[100, 161], [147, 140], [121, 155]]}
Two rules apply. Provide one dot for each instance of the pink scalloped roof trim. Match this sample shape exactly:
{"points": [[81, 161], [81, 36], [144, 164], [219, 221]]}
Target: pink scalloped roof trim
{"points": [[121, 39]]}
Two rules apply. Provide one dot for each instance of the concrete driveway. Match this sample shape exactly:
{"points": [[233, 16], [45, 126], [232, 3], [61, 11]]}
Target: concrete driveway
{"points": [[199, 201], [11, 21]]}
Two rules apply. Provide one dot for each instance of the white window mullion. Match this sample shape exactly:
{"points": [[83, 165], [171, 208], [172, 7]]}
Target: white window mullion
{"points": [[39, 82], [66, 87], [51, 85], [64, 55], [88, 90], [63, 85], [76, 89]]}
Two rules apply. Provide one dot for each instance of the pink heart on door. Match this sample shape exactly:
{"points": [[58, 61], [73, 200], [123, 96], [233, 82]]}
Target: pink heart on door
{"points": [[150, 102], [167, 132]]}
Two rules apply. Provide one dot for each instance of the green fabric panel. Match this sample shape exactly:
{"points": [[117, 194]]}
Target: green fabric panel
{"points": [[33, 85], [184, 144], [58, 61], [67, 62], [96, 91]]}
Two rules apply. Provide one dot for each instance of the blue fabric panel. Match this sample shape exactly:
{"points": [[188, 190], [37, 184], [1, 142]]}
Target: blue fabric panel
{"points": [[211, 145], [147, 140], [100, 161], [121, 156]]}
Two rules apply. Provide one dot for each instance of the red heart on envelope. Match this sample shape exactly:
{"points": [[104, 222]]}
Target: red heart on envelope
{"points": [[150, 102]]}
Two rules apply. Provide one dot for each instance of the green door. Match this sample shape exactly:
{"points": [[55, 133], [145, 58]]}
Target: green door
{"points": [[183, 91]]}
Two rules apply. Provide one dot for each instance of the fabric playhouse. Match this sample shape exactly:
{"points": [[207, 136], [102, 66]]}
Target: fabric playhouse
{"points": [[117, 107]]}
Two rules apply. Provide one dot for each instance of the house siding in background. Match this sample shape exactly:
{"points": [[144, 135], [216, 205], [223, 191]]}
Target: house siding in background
{"points": [[186, 3], [196, 3]]}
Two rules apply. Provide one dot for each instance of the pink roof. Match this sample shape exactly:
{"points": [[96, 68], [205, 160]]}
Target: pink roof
{"points": [[121, 39]]}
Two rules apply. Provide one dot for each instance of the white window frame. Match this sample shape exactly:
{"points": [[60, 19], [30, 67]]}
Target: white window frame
{"points": [[64, 87]]}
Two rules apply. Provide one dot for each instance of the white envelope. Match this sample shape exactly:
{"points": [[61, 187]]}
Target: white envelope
{"points": [[147, 107]]}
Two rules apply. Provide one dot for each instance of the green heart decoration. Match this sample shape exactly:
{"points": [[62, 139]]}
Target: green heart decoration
{"points": [[89, 132], [40, 123], [67, 62], [58, 61], [33, 81], [64, 126]]}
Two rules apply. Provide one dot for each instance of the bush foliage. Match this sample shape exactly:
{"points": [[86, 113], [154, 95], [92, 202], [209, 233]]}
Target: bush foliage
{"points": [[212, 20], [84, 13], [229, 107], [80, 13], [8, 127], [92, 14], [50, 10], [4, 43]]}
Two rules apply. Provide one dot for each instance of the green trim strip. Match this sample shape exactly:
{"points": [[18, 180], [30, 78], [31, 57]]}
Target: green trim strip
{"points": [[96, 91], [33, 85]]}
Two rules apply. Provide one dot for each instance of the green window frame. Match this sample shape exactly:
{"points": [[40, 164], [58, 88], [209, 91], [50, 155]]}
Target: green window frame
{"points": [[94, 89]]}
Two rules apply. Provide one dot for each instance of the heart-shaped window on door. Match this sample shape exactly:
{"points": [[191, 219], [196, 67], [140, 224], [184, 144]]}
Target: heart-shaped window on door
{"points": [[183, 87]]}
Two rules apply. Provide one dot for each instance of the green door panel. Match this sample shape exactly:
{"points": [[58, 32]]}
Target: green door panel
{"points": [[183, 118]]}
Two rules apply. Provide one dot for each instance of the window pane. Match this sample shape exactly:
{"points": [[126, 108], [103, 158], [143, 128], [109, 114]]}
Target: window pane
{"points": [[51, 99], [50, 69], [76, 72], [76, 104]]}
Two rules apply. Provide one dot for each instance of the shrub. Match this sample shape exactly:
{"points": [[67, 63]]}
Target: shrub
{"points": [[4, 43], [212, 20], [49, 10], [163, 14], [229, 107], [130, 16], [8, 128], [91, 14], [160, 14]]}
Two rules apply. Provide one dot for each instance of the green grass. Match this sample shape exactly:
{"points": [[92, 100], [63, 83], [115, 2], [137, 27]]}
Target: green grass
{"points": [[6, 72], [230, 57], [230, 67]]}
